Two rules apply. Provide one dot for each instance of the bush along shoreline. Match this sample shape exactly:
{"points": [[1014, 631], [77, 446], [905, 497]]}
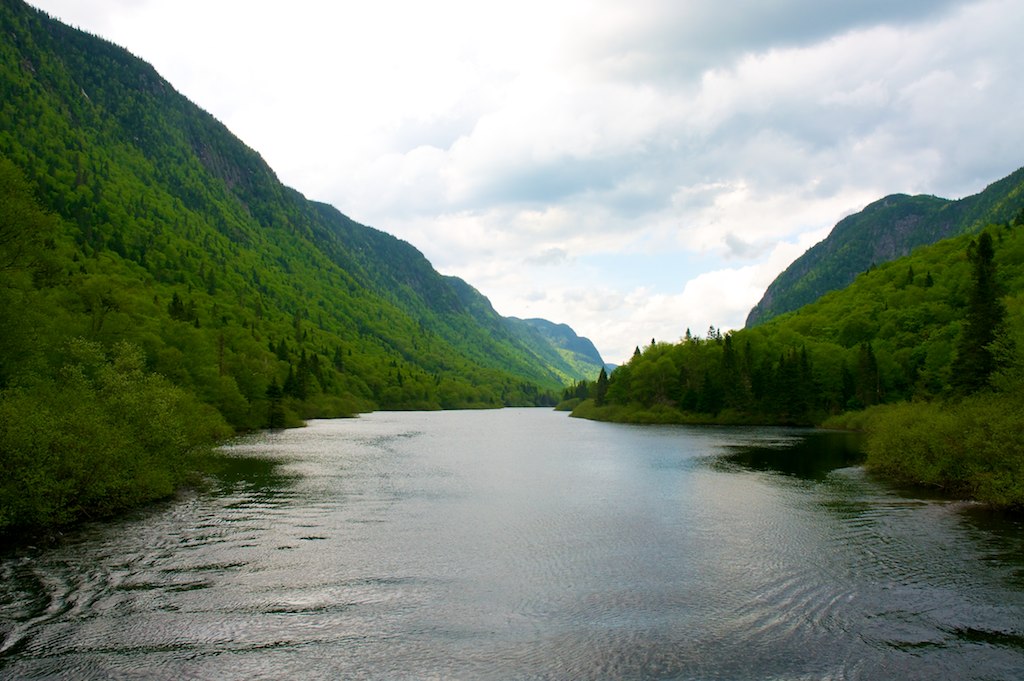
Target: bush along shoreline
{"points": [[923, 354], [102, 436]]}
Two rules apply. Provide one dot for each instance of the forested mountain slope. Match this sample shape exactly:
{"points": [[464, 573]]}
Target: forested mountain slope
{"points": [[159, 286], [932, 343], [576, 351], [156, 198], [894, 334], [887, 229]]}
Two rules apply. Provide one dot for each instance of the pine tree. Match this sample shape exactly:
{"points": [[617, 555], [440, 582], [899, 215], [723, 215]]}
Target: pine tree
{"points": [[601, 392], [275, 411], [975, 360], [733, 386], [868, 379], [176, 308]]}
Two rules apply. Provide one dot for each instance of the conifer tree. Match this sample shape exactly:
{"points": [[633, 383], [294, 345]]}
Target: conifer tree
{"points": [[601, 392], [868, 379], [275, 411], [176, 308], [984, 322]]}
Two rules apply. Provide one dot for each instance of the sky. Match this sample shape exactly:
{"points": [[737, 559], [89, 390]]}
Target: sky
{"points": [[633, 168]]}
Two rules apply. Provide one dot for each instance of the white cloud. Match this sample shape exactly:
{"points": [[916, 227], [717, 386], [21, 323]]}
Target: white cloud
{"points": [[628, 168]]}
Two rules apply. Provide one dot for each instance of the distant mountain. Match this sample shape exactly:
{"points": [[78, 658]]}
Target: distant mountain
{"points": [[554, 345], [175, 236], [886, 230], [576, 351]]}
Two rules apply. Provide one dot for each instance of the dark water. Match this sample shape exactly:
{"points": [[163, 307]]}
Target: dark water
{"points": [[520, 544]]}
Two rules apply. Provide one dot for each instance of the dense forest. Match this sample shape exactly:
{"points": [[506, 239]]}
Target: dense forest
{"points": [[925, 352], [160, 288]]}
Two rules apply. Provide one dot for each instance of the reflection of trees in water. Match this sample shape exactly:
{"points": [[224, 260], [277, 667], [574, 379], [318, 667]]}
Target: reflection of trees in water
{"points": [[812, 456], [252, 475]]}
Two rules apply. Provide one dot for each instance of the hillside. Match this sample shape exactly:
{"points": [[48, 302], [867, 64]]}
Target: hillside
{"points": [[931, 345], [889, 336], [575, 351], [154, 194], [160, 289], [885, 230]]}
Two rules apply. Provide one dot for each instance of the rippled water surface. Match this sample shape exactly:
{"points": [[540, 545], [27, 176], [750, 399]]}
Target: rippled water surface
{"points": [[521, 544]]}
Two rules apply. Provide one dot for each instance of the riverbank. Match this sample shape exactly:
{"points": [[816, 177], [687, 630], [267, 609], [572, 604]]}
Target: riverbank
{"points": [[668, 415], [971, 449], [100, 447]]}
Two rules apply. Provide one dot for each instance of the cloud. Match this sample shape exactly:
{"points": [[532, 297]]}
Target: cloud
{"points": [[739, 248], [668, 41], [549, 257], [631, 169]]}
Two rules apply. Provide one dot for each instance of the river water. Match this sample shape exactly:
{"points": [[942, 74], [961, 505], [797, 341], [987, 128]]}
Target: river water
{"points": [[522, 544]]}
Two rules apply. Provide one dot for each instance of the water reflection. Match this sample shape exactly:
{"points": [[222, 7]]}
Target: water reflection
{"points": [[522, 544], [250, 475], [805, 454]]}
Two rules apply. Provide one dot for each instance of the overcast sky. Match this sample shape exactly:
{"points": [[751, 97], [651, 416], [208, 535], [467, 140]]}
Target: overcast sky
{"points": [[632, 168]]}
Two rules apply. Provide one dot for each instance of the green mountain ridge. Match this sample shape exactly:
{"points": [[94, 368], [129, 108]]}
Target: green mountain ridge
{"points": [[576, 351], [924, 353], [161, 289], [885, 230], [154, 194]]}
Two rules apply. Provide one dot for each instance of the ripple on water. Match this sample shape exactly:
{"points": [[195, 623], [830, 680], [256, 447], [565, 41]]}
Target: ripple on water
{"points": [[521, 544]]}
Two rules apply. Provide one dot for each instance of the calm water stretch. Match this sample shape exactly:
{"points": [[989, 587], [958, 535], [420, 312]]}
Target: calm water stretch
{"points": [[521, 544]]}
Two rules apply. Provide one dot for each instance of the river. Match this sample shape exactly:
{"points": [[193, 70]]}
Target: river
{"points": [[522, 544]]}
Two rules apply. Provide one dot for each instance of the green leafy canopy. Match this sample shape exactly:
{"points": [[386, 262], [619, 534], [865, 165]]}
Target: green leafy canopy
{"points": [[134, 224]]}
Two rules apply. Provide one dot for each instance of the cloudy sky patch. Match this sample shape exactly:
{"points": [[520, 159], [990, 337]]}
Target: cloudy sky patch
{"points": [[631, 169]]}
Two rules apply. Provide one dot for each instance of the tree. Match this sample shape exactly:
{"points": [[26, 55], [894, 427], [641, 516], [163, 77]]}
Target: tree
{"points": [[601, 392], [176, 308], [275, 412], [709, 399], [867, 381], [26, 229], [735, 388], [984, 322]]}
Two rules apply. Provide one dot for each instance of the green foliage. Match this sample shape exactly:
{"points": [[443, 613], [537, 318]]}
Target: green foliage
{"points": [[558, 345], [724, 378], [134, 225], [168, 220], [601, 388], [101, 436], [888, 229], [893, 344], [976, 359], [970, 448]]}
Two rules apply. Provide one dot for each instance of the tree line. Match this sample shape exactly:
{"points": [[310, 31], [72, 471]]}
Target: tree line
{"points": [[934, 338]]}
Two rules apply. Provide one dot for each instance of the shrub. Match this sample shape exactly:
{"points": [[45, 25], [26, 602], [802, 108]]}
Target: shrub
{"points": [[973, 448], [105, 436]]}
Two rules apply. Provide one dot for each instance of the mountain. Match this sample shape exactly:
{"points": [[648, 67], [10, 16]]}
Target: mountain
{"points": [[577, 352], [571, 357], [173, 235], [885, 230], [897, 333], [160, 289], [925, 353]]}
